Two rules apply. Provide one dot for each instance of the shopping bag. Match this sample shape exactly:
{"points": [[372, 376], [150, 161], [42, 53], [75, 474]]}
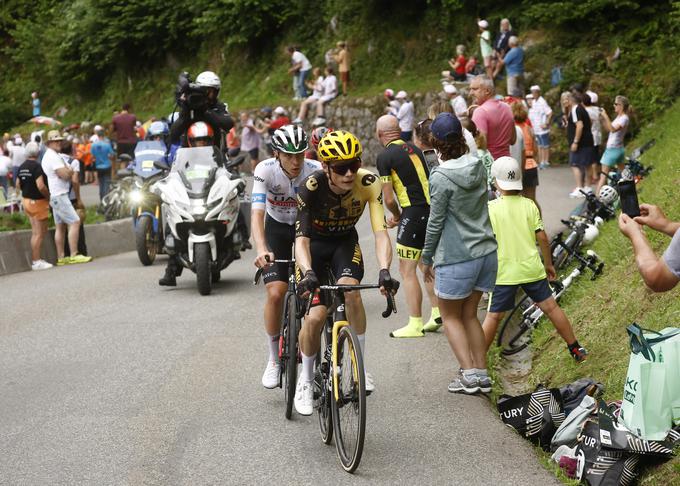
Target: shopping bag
{"points": [[669, 354], [573, 393], [646, 407], [536, 415], [599, 466]]}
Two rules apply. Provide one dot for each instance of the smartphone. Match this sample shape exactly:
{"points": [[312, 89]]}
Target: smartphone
{"points": [[629, 199], [431, 158]]}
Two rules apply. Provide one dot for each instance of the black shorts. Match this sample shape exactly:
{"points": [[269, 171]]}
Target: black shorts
{"points": [[411, 233], [279, 238], [582, 158], [342, 255], [254, 153], [530, 177], [503, 296], [126, 148]]}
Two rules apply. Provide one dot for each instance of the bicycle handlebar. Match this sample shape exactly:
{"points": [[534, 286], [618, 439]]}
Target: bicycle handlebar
{"points": [[391, 303], [258, 273]]}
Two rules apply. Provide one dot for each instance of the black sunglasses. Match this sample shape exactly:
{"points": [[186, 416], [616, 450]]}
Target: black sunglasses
{"points": [[342, 169]]}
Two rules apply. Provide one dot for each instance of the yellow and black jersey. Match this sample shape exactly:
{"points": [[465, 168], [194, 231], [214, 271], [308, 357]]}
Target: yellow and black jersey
{"points": [[321, 212], [403, 165]]}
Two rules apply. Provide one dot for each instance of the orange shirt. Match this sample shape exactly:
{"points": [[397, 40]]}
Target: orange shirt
{"points": [[529, 163]]}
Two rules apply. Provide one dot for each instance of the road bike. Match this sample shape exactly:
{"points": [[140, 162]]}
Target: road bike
{"points": [[634, 169], [339, 379], [289, 348], [515, 333]]}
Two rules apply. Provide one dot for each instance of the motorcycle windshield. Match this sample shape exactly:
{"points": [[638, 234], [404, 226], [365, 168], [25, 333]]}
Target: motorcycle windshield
{"points": [[146, 153], [196, 167]]}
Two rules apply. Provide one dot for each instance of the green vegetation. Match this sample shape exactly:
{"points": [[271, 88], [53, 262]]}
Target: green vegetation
{"points": [[601, 310], [90, 56], [19, 221]]}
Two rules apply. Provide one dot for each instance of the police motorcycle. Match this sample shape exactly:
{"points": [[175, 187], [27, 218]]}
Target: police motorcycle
{"points": [[200, 207], [147, 221]]}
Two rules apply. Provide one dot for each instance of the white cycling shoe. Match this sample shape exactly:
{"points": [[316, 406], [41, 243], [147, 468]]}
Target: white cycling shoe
{"points": [[270, 378], [370, 384], [304, 397]]}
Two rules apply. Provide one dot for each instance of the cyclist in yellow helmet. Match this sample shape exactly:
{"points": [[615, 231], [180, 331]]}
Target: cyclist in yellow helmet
{"points": [[330, 202]]}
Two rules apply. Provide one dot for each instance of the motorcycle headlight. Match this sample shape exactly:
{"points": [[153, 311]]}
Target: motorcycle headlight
{"points": [[136, 196]]}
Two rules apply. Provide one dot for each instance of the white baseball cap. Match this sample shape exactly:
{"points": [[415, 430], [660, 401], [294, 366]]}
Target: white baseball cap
{"points": [[389, 92], [401, 95], [450, 89], [280, 110], [593, 96], [535, 87], [507, 173], [483, 24], [529, 96]]}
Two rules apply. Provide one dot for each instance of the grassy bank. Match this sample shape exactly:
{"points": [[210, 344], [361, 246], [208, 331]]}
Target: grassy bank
{"points": [[601, 310], [19, 221]]}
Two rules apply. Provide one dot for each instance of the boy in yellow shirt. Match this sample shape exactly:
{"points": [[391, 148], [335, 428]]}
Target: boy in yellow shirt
{"points": [[517, 224]]}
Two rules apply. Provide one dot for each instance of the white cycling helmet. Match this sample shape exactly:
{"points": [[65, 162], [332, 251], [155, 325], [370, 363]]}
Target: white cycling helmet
{"points": [[608, 195], [209, 79], [590, 234]]}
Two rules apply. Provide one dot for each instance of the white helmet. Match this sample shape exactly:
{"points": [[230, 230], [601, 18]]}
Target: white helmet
{"points": [[209, 79], [608, 195], [590, 234]]}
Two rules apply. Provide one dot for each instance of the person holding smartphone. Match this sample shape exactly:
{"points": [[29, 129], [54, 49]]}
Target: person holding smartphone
{"points": [[660, 274]]}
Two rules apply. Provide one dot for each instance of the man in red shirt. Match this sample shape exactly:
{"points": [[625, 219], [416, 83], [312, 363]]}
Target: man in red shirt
{"points": [[492, 117], [280, 119], [125, 132]]}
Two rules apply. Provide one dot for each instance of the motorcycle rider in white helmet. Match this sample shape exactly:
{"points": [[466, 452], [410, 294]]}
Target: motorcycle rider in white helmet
{"points": [[198, 102]]}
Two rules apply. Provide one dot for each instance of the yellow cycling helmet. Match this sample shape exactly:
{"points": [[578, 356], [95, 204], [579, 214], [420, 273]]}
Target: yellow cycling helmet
{"points": [[339, 146]]}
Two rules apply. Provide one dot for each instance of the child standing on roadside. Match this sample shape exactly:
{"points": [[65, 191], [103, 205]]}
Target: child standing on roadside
{"points": [[517, 224]]}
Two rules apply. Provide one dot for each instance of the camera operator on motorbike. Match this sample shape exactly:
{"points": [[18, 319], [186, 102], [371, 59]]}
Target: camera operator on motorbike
{"points": [[330, 203], [273, 212], [198, 102]]}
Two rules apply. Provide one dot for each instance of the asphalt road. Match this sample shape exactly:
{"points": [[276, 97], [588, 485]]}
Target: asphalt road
{"points": [[107, 378]]}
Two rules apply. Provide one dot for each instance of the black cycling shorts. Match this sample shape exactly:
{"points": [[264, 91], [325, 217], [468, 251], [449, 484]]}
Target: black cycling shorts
{"points": [[411, 233], [342, 255], [279, 238]]}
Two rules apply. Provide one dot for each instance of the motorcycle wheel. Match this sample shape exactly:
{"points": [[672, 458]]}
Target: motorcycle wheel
{"points": [[202, 262], [145, 241]]}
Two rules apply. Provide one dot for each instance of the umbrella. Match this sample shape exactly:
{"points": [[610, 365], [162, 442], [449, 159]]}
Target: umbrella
{"points": [[44, 120]]}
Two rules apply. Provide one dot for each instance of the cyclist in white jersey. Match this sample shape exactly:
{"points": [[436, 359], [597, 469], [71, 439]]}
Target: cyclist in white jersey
{"points": [[273, 214]]}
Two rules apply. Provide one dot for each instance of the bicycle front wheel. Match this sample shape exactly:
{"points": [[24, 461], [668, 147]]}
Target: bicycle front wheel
{"points": [[512, 337], [349, 409], [290, 351], [322, 391]]}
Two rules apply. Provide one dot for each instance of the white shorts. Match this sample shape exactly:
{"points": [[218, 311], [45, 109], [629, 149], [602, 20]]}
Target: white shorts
{"points": [[63, 210], [325, 99]]}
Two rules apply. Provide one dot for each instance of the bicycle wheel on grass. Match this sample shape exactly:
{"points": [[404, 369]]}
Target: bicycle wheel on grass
{"points": [[324, 394], [349, 410], [289, 359], [511, 337]]}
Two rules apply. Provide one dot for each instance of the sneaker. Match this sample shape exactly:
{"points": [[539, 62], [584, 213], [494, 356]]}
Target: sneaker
{"points": [[464, 384], [370, 383], [78, 258], [433, 325], [318, 121], [304, 397], [579, 354], [484, 382], [297, 121], [40, 265], [588, 189], [576, 193], [544, 165], [62, 261], [408, 331], [270, 378]]}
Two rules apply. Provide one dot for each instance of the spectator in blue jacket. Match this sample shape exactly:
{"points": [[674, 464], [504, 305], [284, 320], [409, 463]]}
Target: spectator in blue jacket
{"points": [[103, 154], [514, 68]]}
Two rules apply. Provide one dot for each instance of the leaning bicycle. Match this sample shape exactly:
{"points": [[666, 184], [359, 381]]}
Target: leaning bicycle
{"points": [[339, 379], [515, 333], [289, 348]]}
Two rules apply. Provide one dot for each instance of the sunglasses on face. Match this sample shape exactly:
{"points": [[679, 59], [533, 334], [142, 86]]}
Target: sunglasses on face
{"points": [[344, 168]]}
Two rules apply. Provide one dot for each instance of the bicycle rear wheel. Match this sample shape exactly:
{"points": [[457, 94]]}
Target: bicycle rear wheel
{"points": [[349, 410], [511, 337], [289, 360], [322, 389]]}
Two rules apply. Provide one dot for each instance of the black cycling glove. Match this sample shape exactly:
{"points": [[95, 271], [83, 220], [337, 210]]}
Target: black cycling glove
{"points": [[309, 283], [385, 279]]}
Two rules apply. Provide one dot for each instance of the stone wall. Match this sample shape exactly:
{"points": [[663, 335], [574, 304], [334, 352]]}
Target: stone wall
{"points": [[358, 115]]}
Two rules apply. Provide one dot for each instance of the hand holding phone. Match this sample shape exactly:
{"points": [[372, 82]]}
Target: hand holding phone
{"points": [[629, 199]]}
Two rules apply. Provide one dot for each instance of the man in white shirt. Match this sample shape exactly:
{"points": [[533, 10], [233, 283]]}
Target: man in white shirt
{"points": [[300, 67], [458, 103], [5, 166], [405, 115], [59, 175], [17, 153], [540, 115]]}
